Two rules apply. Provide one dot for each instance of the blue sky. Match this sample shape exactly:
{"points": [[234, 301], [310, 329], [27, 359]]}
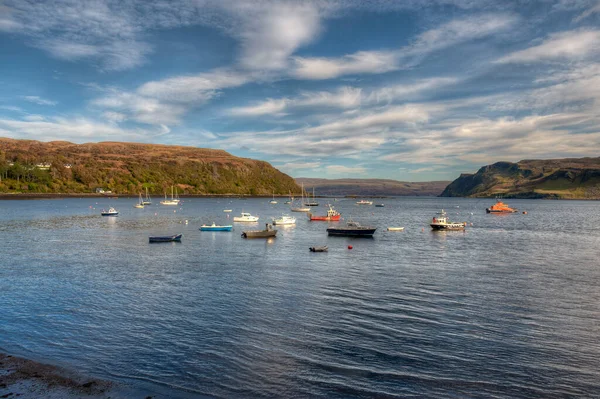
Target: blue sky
{"points": [[407, 90]]}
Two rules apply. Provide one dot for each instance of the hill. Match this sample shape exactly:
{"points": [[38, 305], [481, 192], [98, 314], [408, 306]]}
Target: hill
{"points": [[571, 178], [371, 187], [28, 166]]}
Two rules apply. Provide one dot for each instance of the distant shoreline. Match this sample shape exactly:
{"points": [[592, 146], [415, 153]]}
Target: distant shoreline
{"points": [[34, 196]]}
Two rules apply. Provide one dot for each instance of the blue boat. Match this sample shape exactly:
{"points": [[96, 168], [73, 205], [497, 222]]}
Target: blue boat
{"points": [[214, 227], [176, 237]]}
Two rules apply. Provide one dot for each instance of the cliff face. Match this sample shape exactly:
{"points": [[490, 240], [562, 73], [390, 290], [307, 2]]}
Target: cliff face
{"points": [[555, 178], [129, 168], [368, 187]]}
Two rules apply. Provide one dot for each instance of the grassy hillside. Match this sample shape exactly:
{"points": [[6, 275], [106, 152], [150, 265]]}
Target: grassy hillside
{"points": [[371, 187], [28, 166], [556, 178]]}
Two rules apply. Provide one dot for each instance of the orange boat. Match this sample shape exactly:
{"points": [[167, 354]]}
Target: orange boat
{"points": [[500, 207], [332, 215]]}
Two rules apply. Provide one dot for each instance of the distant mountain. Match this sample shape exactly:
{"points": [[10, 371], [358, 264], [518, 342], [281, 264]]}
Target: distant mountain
{"points": [[371, 187], [555, 178], [28, 166]]}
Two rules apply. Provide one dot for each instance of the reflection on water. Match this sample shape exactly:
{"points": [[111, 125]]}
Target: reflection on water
{"points": [[507, 308]]}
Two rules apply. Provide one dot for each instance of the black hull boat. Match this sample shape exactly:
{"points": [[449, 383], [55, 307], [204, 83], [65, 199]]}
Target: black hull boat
{"points": [[352, 229], [319, 249], [172, 238]]}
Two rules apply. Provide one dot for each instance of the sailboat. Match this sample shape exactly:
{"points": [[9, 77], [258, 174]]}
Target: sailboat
{"points": [[273, 200], [301, 208], [172, 201], [140, 204], [313, 202], [290, 200], [147, 201]]}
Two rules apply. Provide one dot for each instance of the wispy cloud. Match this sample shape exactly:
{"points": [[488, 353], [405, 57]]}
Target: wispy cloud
{"points": [[345, 170], [570, 45], [38, 100]]}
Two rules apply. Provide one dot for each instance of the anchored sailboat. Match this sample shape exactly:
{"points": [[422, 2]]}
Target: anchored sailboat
{"points": [[172, 201]]}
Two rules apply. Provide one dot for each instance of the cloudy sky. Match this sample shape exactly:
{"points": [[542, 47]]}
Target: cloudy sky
{"points": [[409, 90]]}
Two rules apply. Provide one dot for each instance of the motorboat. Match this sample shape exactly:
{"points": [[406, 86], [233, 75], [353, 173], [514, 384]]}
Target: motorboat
{"points": [[352, 229], [227, 210], [364, 202], [245, 217], [500, 207], [395, 229], [324, 248], [441, 222], [379, 205], [332, 215], [284, 219], [110, 212], [215, 227], [266, 233], [176, 237]]}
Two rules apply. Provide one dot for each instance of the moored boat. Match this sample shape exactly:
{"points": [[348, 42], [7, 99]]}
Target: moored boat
{"points": [[266, 233], [379, 205], [173, 201], [215, 227], [352, 229], [110, 212], [176, 237], [500, 207], [245, 217], [284, 219], [147, 200], [364, 202], [332, 215], [441, 222], [395, 229], [324, 248]]}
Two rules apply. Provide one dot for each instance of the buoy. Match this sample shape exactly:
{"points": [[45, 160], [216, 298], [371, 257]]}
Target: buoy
{"points": [[349, 246], [524, 212], [422, 228]]}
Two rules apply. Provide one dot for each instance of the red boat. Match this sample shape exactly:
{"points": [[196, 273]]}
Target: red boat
{"points": [[332, 215]]}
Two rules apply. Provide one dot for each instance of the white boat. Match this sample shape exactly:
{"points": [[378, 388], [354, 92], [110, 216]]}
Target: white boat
{"points": [[245, 217], [395, 228], [284, 219], [273, 200], [173, 201], [147, 201], [441, 222], [140, 203], [227, 210], [111, 212], [300, 208], [364, 202]]}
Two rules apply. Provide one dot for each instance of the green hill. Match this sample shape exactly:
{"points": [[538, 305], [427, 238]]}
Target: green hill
{"points": [[556, 178], [28, 166]]}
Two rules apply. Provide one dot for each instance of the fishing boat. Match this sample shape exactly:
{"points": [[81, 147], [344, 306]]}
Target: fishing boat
{"points": [[300, 208], [364, 202], [313, 202], [110, 212], [147, 200], [245, 217], [140, 203], [352, 229], [319, 249], [441, 222], [284, 219], [332, 216], [500, 207], [173, 201], [266, 233], [176, 237], [214, 227]]}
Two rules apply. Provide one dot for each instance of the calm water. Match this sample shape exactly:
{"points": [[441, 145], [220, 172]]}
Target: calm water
{"points": [[510, 308]]}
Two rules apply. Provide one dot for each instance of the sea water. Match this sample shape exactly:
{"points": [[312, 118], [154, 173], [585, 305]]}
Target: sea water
{"points": [[508, 308]]}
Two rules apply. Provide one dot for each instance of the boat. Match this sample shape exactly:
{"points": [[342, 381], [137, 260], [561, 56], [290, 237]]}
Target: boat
{"points": [[313, 202], [245, 217], [441, 222], [214, 227], [332, 215], [140, 204], [379, 205], [227, 210], [500, 207], [273, 200], [266, 233], [111, 212], [173, 201], [284, 219], [300, 208], [318, 249], [364, 202], [395, 229], [147, 200], [352, 229], [176, 237]]}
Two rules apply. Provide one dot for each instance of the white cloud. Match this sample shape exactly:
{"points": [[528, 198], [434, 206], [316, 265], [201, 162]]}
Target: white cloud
{"points": [[140, 108], [565, 45], [593, 10], [11, 108], [370, 62], [267, 107], [403, 91], [115, 117], [38, 100], [34, 118], [345, 170]]}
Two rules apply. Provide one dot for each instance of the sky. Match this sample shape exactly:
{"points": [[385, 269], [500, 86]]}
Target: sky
{"points": [[407, 90]]}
